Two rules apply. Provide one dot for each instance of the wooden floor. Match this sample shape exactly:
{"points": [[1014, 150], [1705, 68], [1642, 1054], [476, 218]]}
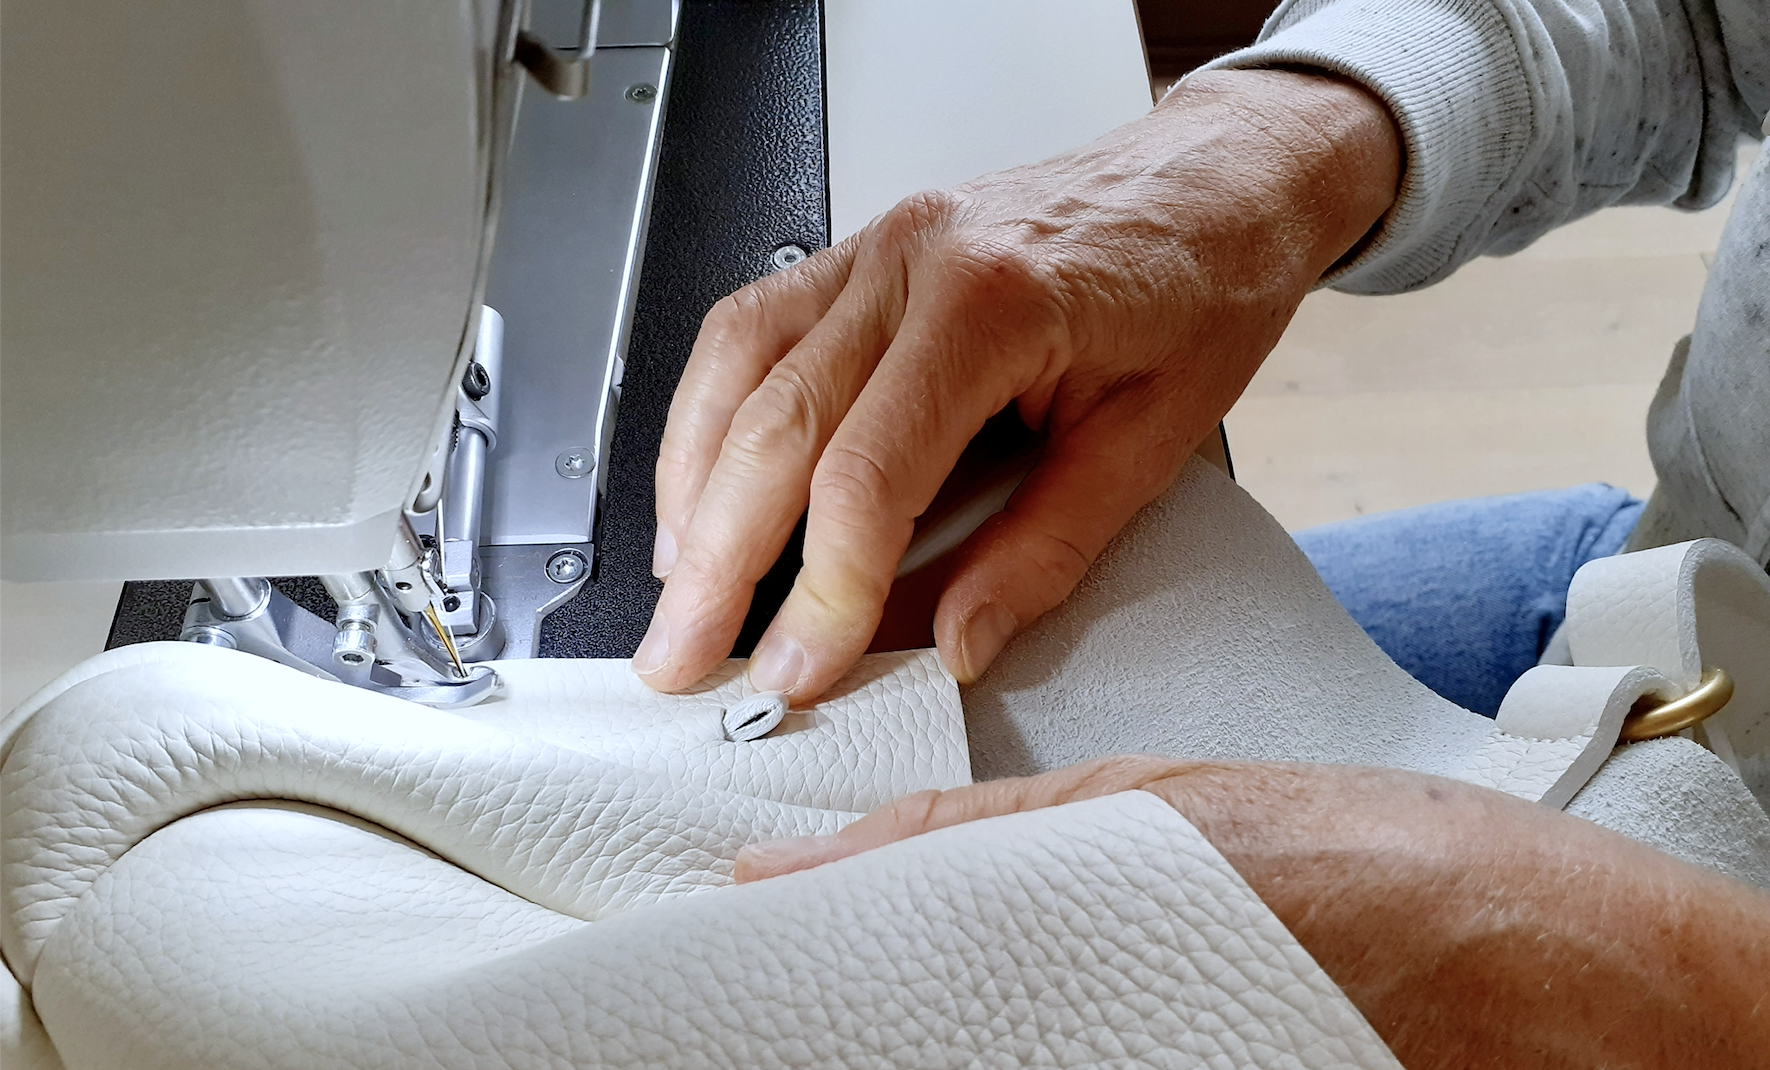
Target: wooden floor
{"points": [[1517, 373]]}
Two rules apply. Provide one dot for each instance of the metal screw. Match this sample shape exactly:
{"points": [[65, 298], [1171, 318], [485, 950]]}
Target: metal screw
{"points": [[451, 603], [354, 645], [643, 93], [788, 255], [575, 463], [566, 566], [476, 382]]}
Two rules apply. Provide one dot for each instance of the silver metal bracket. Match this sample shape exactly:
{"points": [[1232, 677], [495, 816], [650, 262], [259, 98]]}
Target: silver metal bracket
{"points": [[397, 663], [274, 628], [565, 74]]}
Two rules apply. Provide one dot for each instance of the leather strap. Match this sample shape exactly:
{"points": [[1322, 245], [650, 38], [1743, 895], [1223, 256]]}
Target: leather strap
{"points": [[1646, 623]]}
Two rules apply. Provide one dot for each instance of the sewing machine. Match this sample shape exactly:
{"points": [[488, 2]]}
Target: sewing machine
{"points": [[265, 360]]}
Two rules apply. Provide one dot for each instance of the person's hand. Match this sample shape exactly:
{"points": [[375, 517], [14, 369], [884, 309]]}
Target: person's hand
{"points": [[1120, 296], [1470, 928]]}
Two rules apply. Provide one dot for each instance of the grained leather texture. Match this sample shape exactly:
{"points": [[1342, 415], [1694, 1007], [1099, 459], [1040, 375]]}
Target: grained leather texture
{"points": [[1094, 933], [543, 880], [1649, 622], [118, 754], [1632, 609], [543, 883], [893, 726]]}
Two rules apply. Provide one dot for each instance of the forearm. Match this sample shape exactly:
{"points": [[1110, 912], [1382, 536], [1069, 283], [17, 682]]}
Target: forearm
{"points": [[1475, 929], [1320, 162]]}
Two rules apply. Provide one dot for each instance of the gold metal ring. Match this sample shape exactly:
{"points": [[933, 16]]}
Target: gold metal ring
{"points": [[1654, 717]]}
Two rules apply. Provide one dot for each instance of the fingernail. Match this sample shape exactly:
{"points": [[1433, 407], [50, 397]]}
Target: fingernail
{"points": [[758, 860], [654, 652], [989, 631], [663, 552], [778, 665]]}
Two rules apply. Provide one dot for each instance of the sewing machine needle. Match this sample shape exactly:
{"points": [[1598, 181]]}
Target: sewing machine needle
{"points": [[448, 641]]}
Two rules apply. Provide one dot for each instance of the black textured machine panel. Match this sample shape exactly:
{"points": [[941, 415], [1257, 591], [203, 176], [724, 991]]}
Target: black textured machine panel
{"points": [[741, 173], [152, 611]]}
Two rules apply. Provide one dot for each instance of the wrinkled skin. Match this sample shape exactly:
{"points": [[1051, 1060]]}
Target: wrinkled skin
{"points": [[1119, 296], [1469, 927]]}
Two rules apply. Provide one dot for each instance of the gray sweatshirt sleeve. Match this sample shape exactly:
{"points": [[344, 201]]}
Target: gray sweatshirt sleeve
{"points": [[1520, 115]]}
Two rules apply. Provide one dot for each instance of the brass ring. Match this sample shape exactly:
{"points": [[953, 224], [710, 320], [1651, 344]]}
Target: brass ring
{"points": [[1654, 717]]}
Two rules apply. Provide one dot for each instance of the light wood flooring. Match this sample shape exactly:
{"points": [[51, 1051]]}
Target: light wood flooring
{"points": [[1517, 373]]}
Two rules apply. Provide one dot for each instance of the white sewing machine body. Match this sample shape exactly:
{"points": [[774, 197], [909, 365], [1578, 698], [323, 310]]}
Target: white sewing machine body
{"points": [[245, 276]]}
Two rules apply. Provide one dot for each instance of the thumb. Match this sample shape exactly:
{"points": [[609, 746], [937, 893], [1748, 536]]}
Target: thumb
{"points": [[1026, 559]]}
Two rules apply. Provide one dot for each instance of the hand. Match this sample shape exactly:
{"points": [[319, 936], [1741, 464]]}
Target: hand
{"points": [[1120, 296], [1469, 927]]}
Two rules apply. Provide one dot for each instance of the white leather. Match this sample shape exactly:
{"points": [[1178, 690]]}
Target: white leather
{"points": [[1098, 932], [542, 882], [1631, 609], [541, 879], [1556, 726], [549, 811], [1203, 632], [1680, 609], [1645, 623]]}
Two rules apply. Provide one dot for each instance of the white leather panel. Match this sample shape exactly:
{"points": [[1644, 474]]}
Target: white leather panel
{"points": [[1102, 932], [562, 899], [1202, 631], [890, 727], [116, 756], [1682, 799]]}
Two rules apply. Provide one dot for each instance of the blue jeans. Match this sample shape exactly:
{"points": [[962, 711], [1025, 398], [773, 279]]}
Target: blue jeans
{"points": [[1465, 595]]}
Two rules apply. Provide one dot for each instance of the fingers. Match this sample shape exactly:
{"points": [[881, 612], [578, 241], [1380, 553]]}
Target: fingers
{"points": [[741, 339], [926, 811], [756, 490], [878, 473], [1026, 559]]}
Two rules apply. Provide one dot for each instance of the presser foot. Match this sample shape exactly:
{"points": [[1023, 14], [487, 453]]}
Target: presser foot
{"points": [[370, 647]]}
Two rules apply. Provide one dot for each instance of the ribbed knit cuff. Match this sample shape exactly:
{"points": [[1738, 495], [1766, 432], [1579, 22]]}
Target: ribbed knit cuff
{"points": [[1450, 71]]}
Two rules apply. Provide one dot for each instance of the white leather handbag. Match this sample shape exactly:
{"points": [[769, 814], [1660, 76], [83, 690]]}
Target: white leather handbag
{"points": [[210, 860]]}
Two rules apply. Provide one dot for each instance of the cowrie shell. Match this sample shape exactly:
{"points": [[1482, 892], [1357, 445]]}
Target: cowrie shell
{"points": [[755, 716]]}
